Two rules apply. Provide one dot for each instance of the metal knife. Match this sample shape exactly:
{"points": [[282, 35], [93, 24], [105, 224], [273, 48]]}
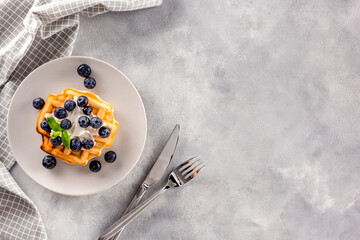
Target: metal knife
{"points": [[155, 173]]}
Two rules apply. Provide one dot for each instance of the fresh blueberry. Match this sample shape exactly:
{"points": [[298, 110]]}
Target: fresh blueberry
{"points": [[65, 124], [110, 156], [60, 113], [95, 166], [89, 82], [88, 144], [82, 101], [84, 70], [69, 105], [87, 110], [49, 162], [95, 122], [56, 141], [75, 144], [38, 103], [45, 126], [104, 132], [84, 121]]}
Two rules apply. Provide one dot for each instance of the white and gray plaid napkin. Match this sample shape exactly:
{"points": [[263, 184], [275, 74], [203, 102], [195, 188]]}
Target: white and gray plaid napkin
{"points": [[33, 32]]}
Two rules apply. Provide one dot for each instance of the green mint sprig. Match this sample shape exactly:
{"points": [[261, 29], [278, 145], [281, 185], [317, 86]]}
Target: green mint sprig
{"points": [[55, 134], [57, 130], [65, 138], [54, 125]]}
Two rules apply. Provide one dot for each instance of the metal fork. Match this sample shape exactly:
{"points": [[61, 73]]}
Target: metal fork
{"points": [[178, 177]]}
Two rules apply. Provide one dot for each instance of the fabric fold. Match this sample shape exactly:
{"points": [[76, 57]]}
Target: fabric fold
{"points": [[33, 32]]}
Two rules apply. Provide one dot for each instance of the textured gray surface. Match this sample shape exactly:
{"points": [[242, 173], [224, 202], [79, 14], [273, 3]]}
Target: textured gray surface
{"points": [[267, 92]]}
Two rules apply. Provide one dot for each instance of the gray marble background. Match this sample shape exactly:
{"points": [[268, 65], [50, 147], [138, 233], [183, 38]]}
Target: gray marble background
{"points": [[266, 92]]}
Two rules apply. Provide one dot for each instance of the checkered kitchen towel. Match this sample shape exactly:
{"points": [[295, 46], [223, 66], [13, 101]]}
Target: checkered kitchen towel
{"points": [[33, 32]]}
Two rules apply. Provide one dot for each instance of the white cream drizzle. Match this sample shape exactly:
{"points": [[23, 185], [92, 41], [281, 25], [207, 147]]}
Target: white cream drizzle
{"points": [[76, 131]]}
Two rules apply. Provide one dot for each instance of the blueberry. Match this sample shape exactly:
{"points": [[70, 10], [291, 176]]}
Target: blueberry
{"points": [[38, 103], [45, 126], [82, 101], [65, 124], [87, 110], [104, 132], [96, 122], [110, 156], [49, 162], [89, 82], [88, 144], [75, 144], [84, 121], [69, 105], [60, 113], [84, 70], [95, 166], [56, 141]]}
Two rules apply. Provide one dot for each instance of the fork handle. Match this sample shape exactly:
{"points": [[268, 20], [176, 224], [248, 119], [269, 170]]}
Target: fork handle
{"points": [[134, 202], [127, 218]]}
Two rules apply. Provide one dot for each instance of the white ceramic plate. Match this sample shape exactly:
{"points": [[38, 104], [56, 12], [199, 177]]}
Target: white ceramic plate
{"points": [[113, 87]]}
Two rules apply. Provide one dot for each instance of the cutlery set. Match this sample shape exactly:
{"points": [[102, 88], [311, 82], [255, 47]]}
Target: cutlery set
{"points": [[178, 177]]}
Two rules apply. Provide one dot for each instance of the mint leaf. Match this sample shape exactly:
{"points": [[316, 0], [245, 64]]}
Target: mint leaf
{"points": [[65, 138], [55, 134], [53, 124]]}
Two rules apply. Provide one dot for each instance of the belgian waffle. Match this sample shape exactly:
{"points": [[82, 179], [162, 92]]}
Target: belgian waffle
{"points": [[100, 108]]}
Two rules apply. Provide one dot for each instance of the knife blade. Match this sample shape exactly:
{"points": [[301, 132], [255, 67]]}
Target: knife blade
{"points": [[164, 158], [156, 172]]}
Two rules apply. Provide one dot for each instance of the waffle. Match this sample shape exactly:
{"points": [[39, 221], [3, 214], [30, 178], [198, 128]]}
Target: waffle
{"points": [[100, 108]]}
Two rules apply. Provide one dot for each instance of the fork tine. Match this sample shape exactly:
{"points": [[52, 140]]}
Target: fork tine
{"points": [[186, 162], [195, 173], [191, 167]]}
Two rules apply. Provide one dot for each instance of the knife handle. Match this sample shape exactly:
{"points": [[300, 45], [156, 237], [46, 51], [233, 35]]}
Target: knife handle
{"points": [[127, 218], [137, 198], [134, 202]]}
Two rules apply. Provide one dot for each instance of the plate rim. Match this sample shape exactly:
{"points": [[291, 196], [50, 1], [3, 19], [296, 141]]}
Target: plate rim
{"points": [[143, 110]]}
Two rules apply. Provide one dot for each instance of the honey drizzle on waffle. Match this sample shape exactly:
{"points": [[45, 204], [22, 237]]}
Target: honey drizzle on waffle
{"points": [[100, 108]]}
